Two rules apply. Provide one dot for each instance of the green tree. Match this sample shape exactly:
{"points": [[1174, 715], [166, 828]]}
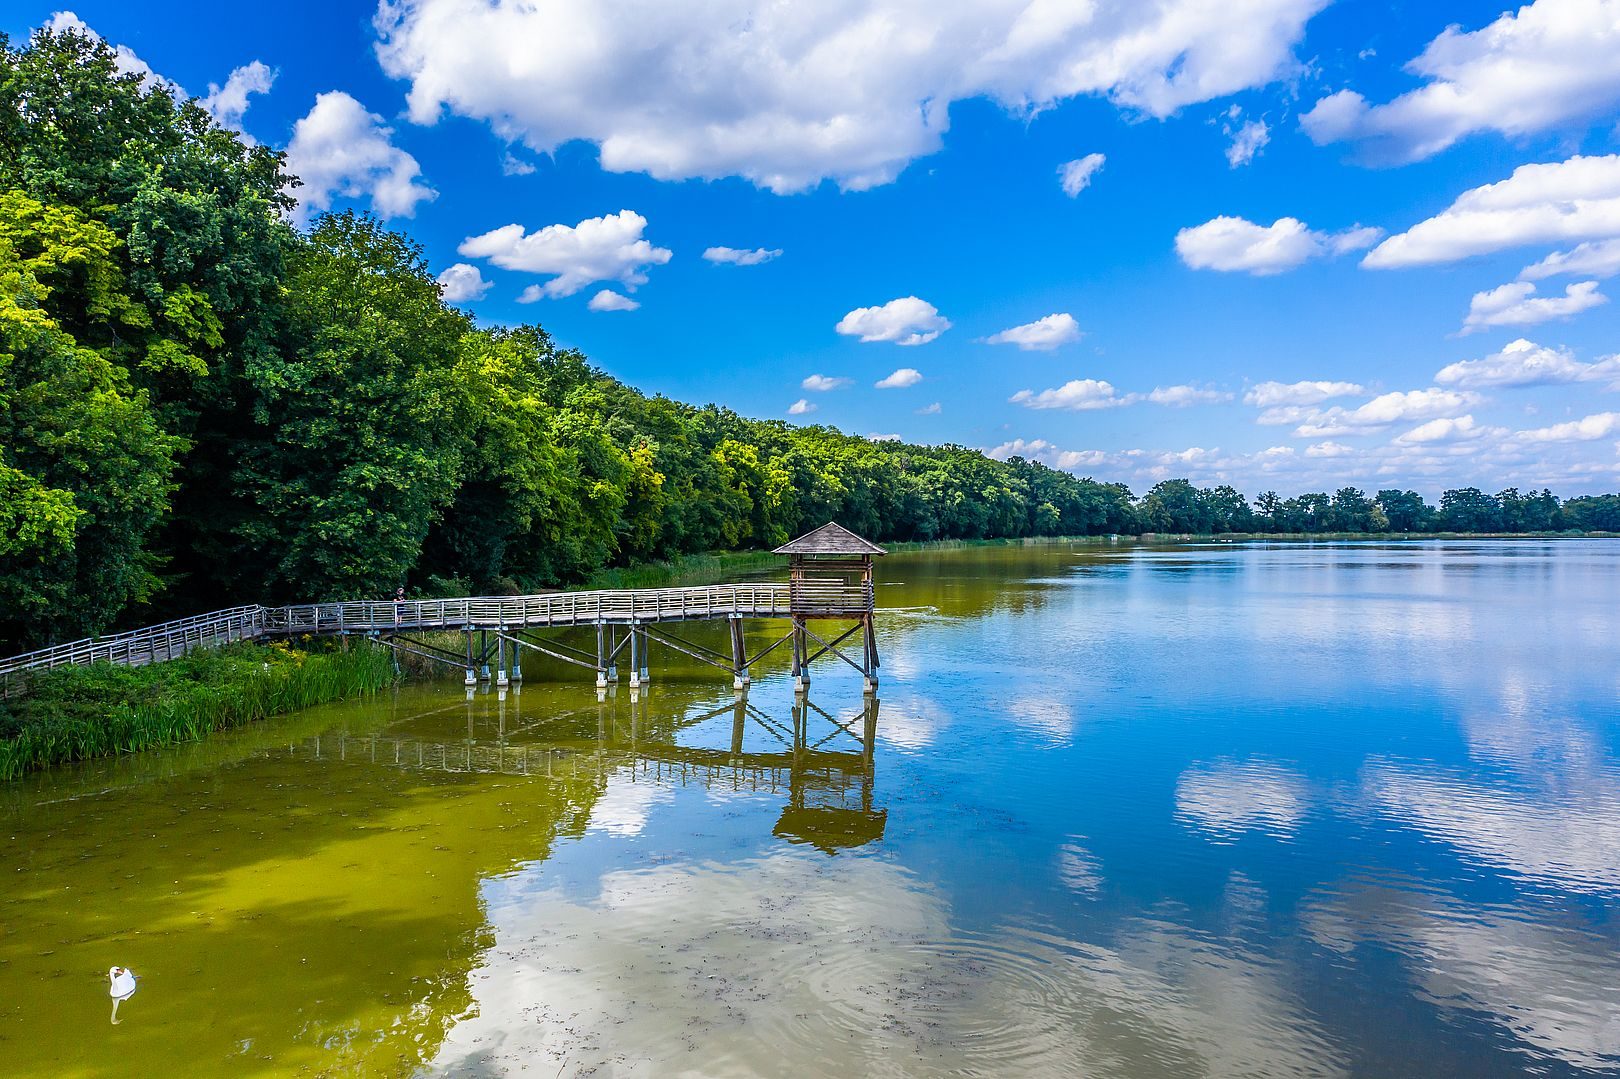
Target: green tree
{"points": [[1405, 510], [1176, 506], [1469, 509], [84, 467], [361, 418]]}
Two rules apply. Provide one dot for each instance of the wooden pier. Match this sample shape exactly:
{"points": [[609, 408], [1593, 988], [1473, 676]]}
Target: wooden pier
{"points": [[830, 584]]}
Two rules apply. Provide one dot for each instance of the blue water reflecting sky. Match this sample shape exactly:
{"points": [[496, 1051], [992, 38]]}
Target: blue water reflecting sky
{"points": [[1212, 810]]}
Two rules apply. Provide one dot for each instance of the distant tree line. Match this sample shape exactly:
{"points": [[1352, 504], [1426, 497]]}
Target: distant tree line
{"points": [[1176, 506], [201, 406]]}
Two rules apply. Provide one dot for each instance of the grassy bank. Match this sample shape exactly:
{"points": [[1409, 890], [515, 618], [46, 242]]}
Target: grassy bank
{"points": [[76, 713]]}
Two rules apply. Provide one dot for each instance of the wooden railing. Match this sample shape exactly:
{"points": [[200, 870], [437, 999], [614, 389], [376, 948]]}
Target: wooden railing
{"points": [[555, 609], [172, 639], [151, 644]]}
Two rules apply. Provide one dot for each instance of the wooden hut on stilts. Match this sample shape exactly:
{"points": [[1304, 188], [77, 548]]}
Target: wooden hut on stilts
{"points": [[830, 579]]}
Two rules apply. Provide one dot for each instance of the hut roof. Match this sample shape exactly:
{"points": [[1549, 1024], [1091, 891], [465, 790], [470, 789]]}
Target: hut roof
{"points": [[830, 538]]}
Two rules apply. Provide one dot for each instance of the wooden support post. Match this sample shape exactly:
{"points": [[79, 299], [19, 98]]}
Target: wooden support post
{"points": [[636, 645], [646, 676], [501, 679], [601, 656], [739, 655], [613, 651], [871, 656], [472, 676], [483, 655], [793, 634], [801, 658]]}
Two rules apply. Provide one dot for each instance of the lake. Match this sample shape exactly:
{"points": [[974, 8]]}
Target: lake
{"points": [[1222, 809]]}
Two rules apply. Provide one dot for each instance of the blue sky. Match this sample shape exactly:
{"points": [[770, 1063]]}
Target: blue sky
{"points": [[1279, 273]]}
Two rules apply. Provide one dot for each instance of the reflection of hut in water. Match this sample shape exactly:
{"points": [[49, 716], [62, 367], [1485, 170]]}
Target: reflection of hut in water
{"points": [[830, 791]]}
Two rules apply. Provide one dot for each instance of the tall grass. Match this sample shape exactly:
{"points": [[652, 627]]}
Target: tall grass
{"points": [[76, 713]]}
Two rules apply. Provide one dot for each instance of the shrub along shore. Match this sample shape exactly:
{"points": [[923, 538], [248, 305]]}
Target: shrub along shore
{"points": [[76, 713]]}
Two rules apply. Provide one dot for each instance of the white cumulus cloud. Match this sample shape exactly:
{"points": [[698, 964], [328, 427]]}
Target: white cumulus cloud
{"points": [[801, 407], [1588, 429], [1090, 394], [1445, 429], [607, 248], [1595, 258], [1516, 304], [1385, 410], [1077, 395], [1042, 335], [228, 104], [340, 148], [787, 95], [513, 165], [737, 257], [900, 379], [608, 300], [1525, 363], [1273, 394], [823, 383], [1547, 65], [906, 321], [1247, 141], [1233, 243], [462, 282], [1075, 176], [1182, 396], [1555, 202]]}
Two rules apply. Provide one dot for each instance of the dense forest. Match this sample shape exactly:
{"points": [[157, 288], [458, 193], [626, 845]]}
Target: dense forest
{"points": [[201, 405]]}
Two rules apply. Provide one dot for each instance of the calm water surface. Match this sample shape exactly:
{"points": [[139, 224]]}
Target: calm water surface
{"points": [[1215, 810]]}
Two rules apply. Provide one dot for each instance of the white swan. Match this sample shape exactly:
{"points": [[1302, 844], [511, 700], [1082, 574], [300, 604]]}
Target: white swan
{"points": [[120, 986]]}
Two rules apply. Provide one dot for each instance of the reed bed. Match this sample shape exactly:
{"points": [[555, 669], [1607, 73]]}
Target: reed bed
{"points": [[76, 713]]}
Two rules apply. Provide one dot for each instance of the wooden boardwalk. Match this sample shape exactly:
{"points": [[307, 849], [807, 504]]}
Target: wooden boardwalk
{"points": [[830, 579], [505, 619]]}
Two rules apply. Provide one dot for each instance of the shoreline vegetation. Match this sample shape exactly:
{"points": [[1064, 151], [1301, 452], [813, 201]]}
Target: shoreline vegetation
{"points": [[707, 568], [70, 714], [207, 397]]}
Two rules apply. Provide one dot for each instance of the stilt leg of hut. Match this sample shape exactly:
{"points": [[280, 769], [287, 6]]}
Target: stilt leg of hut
{"points": [[801, 658], [871, 655], [739, 656]]}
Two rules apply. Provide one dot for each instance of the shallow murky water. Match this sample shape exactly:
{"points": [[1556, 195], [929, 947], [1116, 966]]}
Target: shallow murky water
{"points": [[1214, 810]]}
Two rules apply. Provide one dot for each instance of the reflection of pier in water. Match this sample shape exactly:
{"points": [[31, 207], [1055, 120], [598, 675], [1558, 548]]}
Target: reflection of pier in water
{"points": [[829, 788]]}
